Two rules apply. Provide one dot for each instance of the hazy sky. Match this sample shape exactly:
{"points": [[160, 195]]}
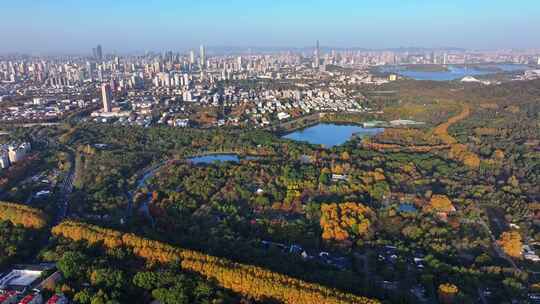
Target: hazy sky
{"points": [[129, 25]]}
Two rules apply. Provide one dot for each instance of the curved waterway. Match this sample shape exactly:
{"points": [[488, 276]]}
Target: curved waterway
{"points": [[211, 158], [196, 160]]}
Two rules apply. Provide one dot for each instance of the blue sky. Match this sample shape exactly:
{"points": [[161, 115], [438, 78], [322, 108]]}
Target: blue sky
{"points": [[136, 25]]}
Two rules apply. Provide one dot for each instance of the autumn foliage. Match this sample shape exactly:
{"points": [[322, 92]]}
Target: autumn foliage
{"points": [[248, 280], [511, 244], [22, 215], [461, 153], [369, 144], [346, 222], [442, 130], [407, 137], [412, 140], [441, 203], [457, 151], [447, 292]]}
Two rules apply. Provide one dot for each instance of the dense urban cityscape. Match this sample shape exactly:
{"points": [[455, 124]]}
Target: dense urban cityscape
{"points": [[318, 173], [172, 88]]}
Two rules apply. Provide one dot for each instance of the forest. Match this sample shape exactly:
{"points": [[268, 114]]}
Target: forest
{"points": [[252, 281], [446, 207]]}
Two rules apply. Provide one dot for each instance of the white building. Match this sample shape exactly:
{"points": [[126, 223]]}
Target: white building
{"points": [[17, 153], [43, 100], [19, 279], [106, 97], [530, 254], [183, 123], [4, 160], [187, 96], [283, 115]]}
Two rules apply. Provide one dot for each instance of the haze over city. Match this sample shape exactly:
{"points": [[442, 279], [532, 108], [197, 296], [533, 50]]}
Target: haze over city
{"points": [[65, 26]]}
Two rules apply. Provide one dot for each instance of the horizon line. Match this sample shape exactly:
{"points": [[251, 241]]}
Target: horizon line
{"points": [[229, 48]]}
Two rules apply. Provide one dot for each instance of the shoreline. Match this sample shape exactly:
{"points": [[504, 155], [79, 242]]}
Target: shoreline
{"points": [[282, 132]]}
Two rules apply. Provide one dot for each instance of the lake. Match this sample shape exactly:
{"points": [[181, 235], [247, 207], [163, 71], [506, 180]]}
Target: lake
{"points": [[331, 135], [210, 158], [454, 72]]}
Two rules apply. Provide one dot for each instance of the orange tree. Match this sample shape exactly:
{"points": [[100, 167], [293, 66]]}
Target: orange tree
{"points": [[440, 203], [346, 222], [252, 281], [22, 215], [447, 292], [511, 244]]}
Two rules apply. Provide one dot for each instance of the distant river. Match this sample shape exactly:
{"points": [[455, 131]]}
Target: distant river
{"points": [[330, 135], [454, 72]]}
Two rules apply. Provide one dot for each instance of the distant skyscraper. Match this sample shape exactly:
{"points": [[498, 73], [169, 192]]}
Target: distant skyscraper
{"points": [[203, 56], [317, 57], [106, 96], [90, 69], [99, 52], [239, 62], [192, 57]]}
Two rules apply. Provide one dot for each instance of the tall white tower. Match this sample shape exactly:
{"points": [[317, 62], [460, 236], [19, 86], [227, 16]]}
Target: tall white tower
{"points": [[203, 56], [192, 57], [106, 96], [317, 57]]}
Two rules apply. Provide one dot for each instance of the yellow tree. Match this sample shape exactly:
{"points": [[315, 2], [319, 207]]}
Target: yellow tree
{"points": [[346, 222], [447, 293], [252, 281], [511, 244], [441, 203]]}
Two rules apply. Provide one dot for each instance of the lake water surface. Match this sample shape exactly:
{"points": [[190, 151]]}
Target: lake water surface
{"points": [[454, 72], [331, 135]]}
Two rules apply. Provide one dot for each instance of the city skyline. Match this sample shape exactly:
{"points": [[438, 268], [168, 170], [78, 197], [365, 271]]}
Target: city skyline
{"points": [[307, 50], [122, 26]]}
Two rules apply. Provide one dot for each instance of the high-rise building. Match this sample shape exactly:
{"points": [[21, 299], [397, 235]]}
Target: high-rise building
{"points": [[317, 57], [239, 62], [538, 63], [99, 53], [90, 69], [203, 56], [192, 57], [106, 96], [186, 80]]}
